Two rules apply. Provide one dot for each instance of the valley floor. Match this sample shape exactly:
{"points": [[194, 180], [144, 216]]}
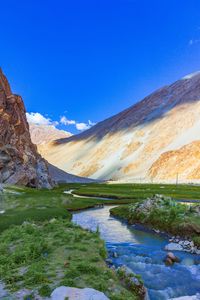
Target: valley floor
{"points": [[40, 248]]}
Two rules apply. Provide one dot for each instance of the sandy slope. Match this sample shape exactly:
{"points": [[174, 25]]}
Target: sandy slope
{"points": [[153, 140]]}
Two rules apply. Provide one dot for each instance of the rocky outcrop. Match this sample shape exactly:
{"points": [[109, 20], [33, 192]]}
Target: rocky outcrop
{"points": [[185, 160], [157, 139], [177, 244], [132, 281], [145, 207], [20, 162], [63, 292]]}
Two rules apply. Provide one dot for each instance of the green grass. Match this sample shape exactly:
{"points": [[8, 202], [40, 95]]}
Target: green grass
{"points": [[171, 217], [39, 205], [36, 252], [44, 255], [18, 216], [138, 191]]}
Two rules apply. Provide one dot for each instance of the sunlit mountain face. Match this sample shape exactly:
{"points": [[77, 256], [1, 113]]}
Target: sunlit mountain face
{"points": [[42, 134], [156, 139]]}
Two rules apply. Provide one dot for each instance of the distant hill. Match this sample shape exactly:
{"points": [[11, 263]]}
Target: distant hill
{"points": [[42, 134], [60, 176]]}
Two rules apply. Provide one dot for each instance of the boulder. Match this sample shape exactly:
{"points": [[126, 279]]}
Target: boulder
{"points": [[173, 257], [149, 204], [170, 259], [63, 292], [196, 209], [132, 282], [173, 247]]}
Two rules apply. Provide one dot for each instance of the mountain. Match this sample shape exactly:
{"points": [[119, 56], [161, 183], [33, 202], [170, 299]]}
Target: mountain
{"points": [[20, 162], [60, 176], [42, 134], [157, 139]]}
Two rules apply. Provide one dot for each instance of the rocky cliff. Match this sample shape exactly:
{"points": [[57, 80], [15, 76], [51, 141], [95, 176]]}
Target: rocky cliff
{"points": [[20, 162], [157, 139]]}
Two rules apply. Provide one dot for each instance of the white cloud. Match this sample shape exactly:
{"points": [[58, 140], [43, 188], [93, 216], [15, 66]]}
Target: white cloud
{"points": [[194, 41], [91, 123], [65, 121], [82, 126], [79, 125], [39, 119], [191, 42]]}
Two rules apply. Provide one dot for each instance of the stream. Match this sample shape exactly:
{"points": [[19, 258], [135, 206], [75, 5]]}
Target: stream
{"points": [[143, 253]]}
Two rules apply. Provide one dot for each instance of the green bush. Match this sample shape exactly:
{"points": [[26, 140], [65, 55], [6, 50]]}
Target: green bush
{"points": [[45, 291]]}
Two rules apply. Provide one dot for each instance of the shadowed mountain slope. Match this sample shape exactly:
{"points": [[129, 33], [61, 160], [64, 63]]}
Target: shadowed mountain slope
{"points": [[132, 144]]}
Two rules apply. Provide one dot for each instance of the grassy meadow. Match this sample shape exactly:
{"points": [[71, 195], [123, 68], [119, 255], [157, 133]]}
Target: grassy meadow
{"points": [[41, 249]]}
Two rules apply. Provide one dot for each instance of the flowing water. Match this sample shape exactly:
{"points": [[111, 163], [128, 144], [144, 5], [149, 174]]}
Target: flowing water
{"points": [[143, 252]]}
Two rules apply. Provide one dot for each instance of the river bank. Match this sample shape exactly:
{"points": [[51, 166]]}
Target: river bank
{"points": [[41, 267], [143, 252], [163, 215], [41, 249]]}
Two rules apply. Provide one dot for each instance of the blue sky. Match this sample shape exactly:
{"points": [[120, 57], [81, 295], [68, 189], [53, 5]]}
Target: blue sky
{"points": [[87, 60]]}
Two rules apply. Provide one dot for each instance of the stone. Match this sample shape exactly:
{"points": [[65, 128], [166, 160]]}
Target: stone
{"points": [[20, 162], [196, 209], [115, 254], [135, 281], [131, 280], [170, 259], [149, 204], [173, 247], [194, 297], [63, 292], [109, 261]]}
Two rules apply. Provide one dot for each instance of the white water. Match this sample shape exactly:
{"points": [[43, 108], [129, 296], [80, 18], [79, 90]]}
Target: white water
{"points": [[143, 253]]}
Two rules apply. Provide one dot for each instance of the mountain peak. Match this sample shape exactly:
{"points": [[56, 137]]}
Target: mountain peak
{"points": [[191, 75]]}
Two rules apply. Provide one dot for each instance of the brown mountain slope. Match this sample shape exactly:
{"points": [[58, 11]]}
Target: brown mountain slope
{"points": [[42, 134], [129, 145], [184, 161], [19, 161]]}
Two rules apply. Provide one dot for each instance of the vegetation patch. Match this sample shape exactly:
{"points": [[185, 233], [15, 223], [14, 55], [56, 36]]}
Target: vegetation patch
{"points": [[44, 249], [40, 249], [164, 214], [132, 192]]}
